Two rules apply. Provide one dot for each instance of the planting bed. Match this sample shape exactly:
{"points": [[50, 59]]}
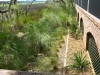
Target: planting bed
{"points": [[75, 46]]}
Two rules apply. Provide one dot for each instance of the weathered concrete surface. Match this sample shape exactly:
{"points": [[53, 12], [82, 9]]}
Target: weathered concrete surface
{"points": [[12, 72], [7, 72]]}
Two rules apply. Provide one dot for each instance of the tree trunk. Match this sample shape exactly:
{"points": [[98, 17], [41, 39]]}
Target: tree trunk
{"points": [[15, 1], [28, 7], [4, 11], [7, 10], [64, 3]]}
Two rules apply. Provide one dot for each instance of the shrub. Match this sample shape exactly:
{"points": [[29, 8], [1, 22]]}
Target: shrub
{"points": [[79, 64]]}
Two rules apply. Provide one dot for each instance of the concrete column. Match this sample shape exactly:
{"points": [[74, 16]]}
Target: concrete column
{"points": [[81, 3], [88, 6], [78, 2]]}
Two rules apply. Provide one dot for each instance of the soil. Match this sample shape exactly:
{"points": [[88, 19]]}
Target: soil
{"points": [[75, 46]]}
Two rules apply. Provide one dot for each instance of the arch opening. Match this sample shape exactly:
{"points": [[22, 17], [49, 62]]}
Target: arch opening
{"points": [[77, 16], [93, 52], [82, 25]]}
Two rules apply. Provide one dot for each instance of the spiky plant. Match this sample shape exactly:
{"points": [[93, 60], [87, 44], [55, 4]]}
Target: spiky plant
{"points": [[79, 63]]}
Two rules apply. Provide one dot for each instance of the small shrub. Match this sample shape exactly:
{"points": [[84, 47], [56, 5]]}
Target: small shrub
{"points": [[79, 63]]}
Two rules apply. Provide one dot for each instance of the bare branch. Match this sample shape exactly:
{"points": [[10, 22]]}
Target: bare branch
{"points": [[27, 9], [4, 11]]}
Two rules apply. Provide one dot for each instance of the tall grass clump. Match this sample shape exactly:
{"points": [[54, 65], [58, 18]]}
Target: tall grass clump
{"points": [[30, 42], [79, 63], [44, 34]]}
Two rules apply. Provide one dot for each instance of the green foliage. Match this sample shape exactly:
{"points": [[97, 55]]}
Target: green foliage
{"points": [[40, 32], [46, 64], [79, 63]]}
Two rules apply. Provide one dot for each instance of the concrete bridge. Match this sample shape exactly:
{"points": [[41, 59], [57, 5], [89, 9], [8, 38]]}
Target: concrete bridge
{"points": [[88, 16]]}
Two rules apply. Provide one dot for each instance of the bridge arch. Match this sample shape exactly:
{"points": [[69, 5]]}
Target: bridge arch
{"points": [[82, 25], [93, 52], [78, 16]]}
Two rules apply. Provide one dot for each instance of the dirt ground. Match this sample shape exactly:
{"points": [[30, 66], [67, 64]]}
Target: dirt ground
{"points": [[75, 46]]}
